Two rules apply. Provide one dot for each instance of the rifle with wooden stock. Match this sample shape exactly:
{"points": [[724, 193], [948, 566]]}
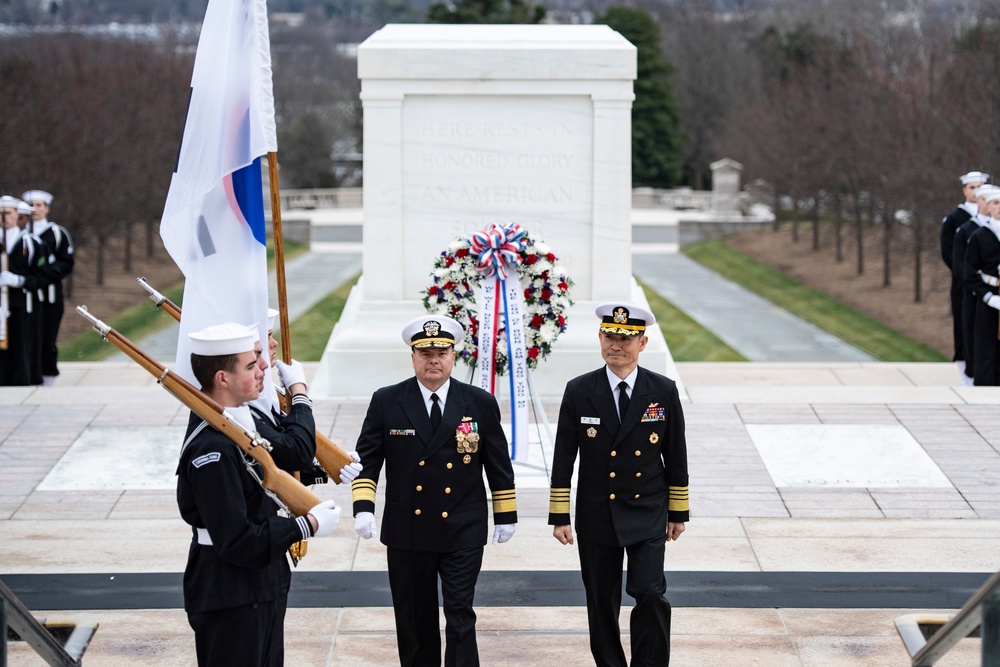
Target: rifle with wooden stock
{"points": [[329, 455], [289, 493]]}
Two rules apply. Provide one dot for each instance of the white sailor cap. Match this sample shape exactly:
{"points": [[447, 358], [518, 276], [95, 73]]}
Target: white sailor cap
{"points": [[983, 189], [432, 331], [9, 202], [272, 314], [624, 319], [223, 339], [974, 177], [37, 195], [992, 195], [24, 208]]}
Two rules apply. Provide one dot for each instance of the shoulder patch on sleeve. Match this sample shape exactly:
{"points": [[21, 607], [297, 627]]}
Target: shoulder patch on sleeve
{"points": [[211, 457]]}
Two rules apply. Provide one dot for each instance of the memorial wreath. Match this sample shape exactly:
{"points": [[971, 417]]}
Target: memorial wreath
{"points": [[492, 254]]}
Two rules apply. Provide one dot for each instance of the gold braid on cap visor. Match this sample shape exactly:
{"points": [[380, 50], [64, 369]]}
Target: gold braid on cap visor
{"points": [[623, 329], [432, 342]]}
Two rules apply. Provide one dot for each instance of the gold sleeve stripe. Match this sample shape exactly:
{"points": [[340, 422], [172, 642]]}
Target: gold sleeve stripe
{"points": [[559, 501], [363, 489], [504, 501], [677, 500]]}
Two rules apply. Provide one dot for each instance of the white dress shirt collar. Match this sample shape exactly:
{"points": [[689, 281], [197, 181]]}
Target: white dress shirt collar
{"points": [[442, 394], [614, 380]]}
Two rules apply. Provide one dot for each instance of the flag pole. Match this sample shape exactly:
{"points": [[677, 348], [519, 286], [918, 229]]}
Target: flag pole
{"points": [[279, 256], [297, 550]]}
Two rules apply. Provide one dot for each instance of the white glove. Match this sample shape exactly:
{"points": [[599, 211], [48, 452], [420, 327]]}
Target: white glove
{"points": [[327, 517], [349, 472], [8, 279], [243, 417], [993, 301], [290, 374], [503, 532], [988, 279], [364, 525]]}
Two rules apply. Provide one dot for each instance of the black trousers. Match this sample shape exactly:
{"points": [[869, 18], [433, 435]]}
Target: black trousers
{"points": [[52, 314], [251, 635], [649, 624], [413, 580], [957, 288]]}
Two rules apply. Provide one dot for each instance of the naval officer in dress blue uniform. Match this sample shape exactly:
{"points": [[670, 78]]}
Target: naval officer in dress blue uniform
{"points": [[626, 426], [436, 436]]}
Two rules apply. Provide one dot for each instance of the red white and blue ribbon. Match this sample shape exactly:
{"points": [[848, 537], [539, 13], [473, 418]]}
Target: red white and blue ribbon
{"points": [[498, 252]]}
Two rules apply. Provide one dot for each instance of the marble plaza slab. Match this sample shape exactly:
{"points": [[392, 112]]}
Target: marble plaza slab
{"points": [[118, 457], [844, 455]]}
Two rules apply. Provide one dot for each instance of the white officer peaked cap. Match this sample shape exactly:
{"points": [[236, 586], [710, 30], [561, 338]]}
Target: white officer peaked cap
{"points": [[272, 314], [624, 319], [37, 195], [432, 331], [25, 208], [974, 177], [223, 339]]}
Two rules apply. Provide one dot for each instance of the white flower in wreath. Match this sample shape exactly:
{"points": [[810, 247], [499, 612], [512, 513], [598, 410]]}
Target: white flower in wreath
{"points": [[455, 301], [548, 332]]}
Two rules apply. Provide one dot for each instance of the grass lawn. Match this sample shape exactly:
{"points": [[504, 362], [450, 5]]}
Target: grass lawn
{"points": [[861, 331], [140, 320], [143, 318], [687, 340], [311, 330]]}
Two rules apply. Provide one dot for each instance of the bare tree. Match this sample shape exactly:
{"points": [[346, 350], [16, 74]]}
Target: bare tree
{"points": [[96, 134]]}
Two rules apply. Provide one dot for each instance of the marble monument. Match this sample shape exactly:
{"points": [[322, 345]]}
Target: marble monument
{"points": [[465, 125]]}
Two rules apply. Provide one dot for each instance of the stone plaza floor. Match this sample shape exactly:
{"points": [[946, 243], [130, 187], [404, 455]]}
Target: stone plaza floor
{"points": [[827, 499]]}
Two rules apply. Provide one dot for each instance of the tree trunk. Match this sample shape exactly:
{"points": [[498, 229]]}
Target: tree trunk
{"points": [[838, 220], [887, 246], [815, 223], [918, 247], [150, 246], [777, 210], [795, 218], [127, 251], [100, 259], [859, 234]]}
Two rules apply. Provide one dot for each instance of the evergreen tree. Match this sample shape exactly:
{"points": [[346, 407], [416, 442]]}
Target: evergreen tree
{"points": [[485, 11], [657, 138]]}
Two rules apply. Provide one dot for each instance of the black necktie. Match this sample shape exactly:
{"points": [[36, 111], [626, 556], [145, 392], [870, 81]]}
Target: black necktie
{"points": [[622, 400], [435, 412]]}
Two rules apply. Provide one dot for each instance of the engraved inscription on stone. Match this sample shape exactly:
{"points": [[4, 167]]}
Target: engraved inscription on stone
{"points": [[468, 161]]}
